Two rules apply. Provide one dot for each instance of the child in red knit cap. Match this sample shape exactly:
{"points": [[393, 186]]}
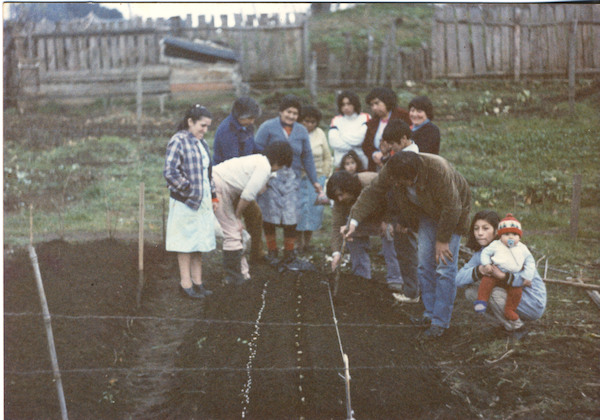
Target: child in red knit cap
{"points": [[510, 256]]}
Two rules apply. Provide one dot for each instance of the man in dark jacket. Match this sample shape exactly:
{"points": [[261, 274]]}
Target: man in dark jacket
{"points": [[384, 107], [434, 199]]}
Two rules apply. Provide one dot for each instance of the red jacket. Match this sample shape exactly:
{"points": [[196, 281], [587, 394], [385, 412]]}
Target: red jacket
{"points": [[368, 146]]}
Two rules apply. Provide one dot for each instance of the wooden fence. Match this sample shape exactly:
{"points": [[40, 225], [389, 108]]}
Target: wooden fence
{"points": [[90, 56], [515, 40]]}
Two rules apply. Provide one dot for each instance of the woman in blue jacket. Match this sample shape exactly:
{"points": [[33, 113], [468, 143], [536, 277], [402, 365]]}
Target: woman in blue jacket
{"points": [[280, 202]]}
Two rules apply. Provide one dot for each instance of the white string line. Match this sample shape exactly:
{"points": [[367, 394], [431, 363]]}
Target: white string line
{"points": [[268, 369], [270, 324], [335, 323], [252, 347]]}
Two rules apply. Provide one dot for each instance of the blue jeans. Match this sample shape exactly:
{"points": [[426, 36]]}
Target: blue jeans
{"points": [[359, 256], [406, 252], [393, 274], [361, 263], [437, 281]]}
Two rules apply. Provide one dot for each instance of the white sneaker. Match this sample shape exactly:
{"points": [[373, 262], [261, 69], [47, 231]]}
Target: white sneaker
{"points": [[402, 298]]}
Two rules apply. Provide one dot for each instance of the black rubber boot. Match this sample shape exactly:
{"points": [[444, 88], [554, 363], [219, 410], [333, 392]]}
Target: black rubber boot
{"points": [[232, 263], [272, 258]]}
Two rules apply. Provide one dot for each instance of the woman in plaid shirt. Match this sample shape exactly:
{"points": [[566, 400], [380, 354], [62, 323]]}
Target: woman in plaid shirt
{"points": [[190, 226]]}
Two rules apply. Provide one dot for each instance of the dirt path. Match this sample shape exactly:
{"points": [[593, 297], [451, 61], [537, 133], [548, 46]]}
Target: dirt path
{"points": [[159, 342]]}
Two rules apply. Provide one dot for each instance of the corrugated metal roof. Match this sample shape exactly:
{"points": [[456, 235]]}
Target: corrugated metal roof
{"points": [[181, 48]]}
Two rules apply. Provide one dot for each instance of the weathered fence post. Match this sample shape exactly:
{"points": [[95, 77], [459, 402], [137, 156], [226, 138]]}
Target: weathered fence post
{"points": [[575, 203]]}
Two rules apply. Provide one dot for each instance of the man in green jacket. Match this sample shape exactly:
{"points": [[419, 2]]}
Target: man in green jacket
{"points": [[435, 200]]}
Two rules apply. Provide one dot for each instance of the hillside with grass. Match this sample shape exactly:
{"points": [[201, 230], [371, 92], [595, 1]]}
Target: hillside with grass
{"points": [[413, 25]]}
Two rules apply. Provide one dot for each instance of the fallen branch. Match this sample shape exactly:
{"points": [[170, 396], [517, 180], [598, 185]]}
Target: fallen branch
{"points": [[579, 284], [505, 355]]}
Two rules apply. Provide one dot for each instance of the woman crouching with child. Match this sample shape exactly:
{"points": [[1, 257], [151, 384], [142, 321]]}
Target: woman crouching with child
{"points": [[483, 231]]}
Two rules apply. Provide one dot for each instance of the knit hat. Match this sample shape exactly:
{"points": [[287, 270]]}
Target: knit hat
{"points": [[509, 225]]}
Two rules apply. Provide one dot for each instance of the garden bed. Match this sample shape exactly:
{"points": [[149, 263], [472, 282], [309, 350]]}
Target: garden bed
{"points": [[269, 350]]}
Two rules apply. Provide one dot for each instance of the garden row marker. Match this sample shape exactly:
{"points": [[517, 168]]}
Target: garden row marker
{"points": [[49, 335], [336, 279], [141, 248], [575, 203], [31, 224], [252, 347], [344, 358]]}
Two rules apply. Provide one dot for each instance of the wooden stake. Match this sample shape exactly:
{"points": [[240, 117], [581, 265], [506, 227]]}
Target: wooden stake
{"points": [[575, 204], [141, 230], [31, 224], [141, 281], [49, 335], [139, 99], [164, 226], [349, 411]]}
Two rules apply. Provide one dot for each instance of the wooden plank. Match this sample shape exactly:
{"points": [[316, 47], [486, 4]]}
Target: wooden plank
{"points": [[525, 41], [115, 56], [71, 54], [506, 15], [596, 34], [489, 38], [141, 50], [103, 89], [517, 45], [438, 38], [122, 46], [41, 54], [561, 33], [478, 41], [452, 65], [587, 11], [536, 45], [580, 15], [105, 55], [464, 41], [107, 76], [59, 49], [51, 54], [497, 42], [572, 17], [94, 54], [551, 29], [131, 51], [82, 48]]}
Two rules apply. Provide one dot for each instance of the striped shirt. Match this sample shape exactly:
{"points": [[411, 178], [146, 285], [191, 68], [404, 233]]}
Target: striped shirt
{"points": [[184, 166]]}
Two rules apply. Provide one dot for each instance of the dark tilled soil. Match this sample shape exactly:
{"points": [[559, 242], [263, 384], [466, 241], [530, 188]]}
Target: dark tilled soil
{"points": [[150, 353]]}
